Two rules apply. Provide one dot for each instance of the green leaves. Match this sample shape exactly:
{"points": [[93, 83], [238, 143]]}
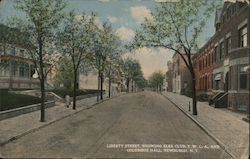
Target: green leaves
{"points": [[132, 70], [156, 80], [175, 25], [64, 74], [44, 15]]}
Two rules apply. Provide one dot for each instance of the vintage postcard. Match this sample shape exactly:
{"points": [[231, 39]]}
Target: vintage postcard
{"points": [[125, 79]]}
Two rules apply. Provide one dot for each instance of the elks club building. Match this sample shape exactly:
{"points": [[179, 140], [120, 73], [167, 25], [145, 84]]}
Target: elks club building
{"points": [[222, 64]]}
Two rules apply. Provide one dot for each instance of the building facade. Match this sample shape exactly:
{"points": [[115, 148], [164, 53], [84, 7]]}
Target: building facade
{"points": [[181, 77], [16, 69], [169, 77], [203, 61], [227, 69]]}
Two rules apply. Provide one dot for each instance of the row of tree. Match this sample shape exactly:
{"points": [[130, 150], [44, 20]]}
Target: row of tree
{"points": [[80, 42], [156, 81]]}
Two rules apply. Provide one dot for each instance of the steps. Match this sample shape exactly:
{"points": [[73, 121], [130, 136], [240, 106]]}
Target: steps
{"points": [[220, 100]]}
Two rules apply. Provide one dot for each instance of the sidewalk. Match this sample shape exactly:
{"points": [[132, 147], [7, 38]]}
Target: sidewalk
{"points": [[225, 126], [16, 127]]}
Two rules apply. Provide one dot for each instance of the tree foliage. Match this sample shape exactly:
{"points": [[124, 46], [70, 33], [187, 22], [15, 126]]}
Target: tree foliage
{"points": [[64, 74], [133, 73], [156, 80]]}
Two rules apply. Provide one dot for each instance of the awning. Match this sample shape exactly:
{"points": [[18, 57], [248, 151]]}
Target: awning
{"points": [[217, 77]]}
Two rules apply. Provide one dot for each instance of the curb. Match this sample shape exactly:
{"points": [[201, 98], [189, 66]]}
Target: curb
{"points": [[209, 133], [54, 121]]}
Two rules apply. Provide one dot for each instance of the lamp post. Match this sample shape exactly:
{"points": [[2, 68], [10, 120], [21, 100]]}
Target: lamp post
{"points": [[109, 79]]}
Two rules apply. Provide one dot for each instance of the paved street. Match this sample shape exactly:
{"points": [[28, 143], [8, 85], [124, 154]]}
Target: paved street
{"points": [[119, 128]]}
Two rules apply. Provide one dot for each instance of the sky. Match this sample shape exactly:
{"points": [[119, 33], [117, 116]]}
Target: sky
{"points": [[125, 17]]}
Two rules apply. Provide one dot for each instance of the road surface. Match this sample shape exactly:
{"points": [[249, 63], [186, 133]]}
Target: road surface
{"points": [[135, 125]]}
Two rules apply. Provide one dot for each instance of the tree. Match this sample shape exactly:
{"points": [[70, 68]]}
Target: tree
{"points": [[132, 70], [74, 42], [41, 20], [156, 80], [106, 48], [112, 71], [64, 74], [177, 26], [140, 81]]}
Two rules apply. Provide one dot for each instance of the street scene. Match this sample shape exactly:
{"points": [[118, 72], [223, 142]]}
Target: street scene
{"points": [[124, 79], [139, 118]]}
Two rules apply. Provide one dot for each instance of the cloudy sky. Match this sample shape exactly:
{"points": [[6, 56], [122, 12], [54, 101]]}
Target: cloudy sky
{"points": [[125, 16]]}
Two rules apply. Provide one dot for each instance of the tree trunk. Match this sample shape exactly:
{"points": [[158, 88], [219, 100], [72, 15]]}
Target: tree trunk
{"points": [[43, 100], [109, 81], [132, 84], [98, 89], [42, 80], [74, 89], [127, 85], [135, 87], [101, 97], [194, 92], [11, 80]]}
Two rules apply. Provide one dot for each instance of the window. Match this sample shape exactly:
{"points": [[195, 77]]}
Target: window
{"points": [[217, 81], [241, 4], [223, 19], [203, 63], [21, 53], [200, 84], [228, 12], [217, 84], [243, 37], [13, 51], [206, 61], [216, 53], [178, 67], [233, 10], [221, 49], [209, 62], [229, 44], [200, 65], [185, 84], [1, 49], [21, 71], [212, 61], [229, 78], [243, 78], [13, 68]]}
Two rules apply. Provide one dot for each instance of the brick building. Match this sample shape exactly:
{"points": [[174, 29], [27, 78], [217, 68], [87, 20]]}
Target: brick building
{"points": [[230, 49], [203, 62]]}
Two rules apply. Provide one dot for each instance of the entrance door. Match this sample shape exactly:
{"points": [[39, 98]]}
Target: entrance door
{"points": [[226, 83]]}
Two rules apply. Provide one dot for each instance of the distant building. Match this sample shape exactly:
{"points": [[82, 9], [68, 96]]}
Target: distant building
{"points": [[169, 77], [90, 81], [181, 81]]}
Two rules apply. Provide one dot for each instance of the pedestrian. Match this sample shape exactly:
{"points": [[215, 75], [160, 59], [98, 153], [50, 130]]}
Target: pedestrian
{"points": [[67, 99]]}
